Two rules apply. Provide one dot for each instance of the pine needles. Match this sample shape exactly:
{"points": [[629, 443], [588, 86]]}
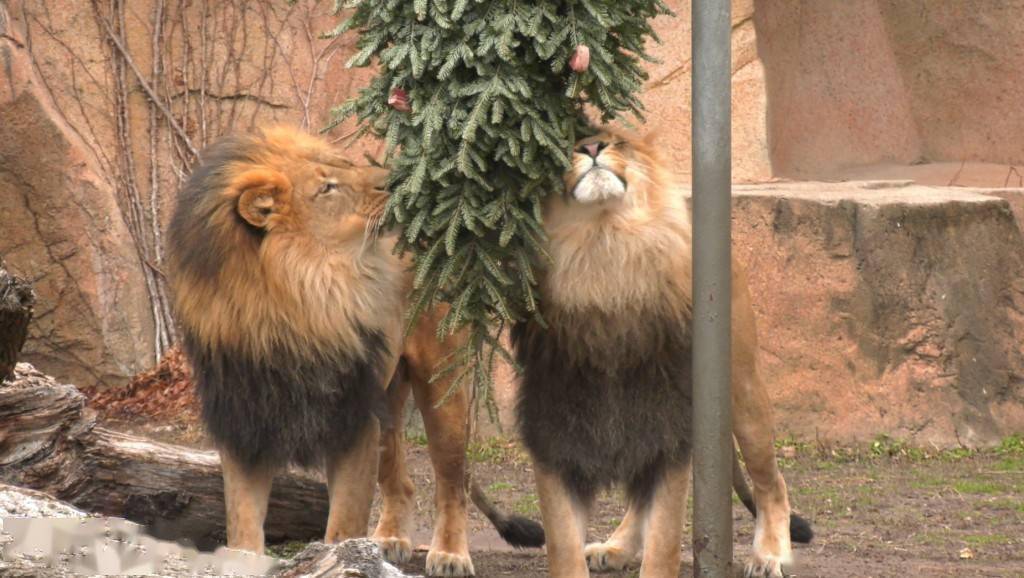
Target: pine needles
{"points": [[495, 111]]}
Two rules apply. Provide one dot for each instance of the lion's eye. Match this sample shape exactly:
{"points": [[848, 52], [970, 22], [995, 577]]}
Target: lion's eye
{"points": [[328, 187]]}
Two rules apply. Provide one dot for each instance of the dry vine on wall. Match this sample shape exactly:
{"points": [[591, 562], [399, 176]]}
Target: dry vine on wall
{"points": [[179, 73]]}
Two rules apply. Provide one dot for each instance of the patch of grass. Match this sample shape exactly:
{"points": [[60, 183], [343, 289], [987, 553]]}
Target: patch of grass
{"points": [[496, 450], [499, 487], [1010, 464], [883, 446], [528, 505], [1008, 505], [844, 455], [286, 550], [817, 491], [826, 465], [801, 447], [417, 439], [978, 487], [988, 540], [1011, 446], [887, 446], [865, 501], [956, 454], [932, 538], [930, 483]]}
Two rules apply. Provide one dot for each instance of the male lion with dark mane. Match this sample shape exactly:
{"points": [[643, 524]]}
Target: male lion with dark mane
{"points": [[606, 391], [292, 313]]}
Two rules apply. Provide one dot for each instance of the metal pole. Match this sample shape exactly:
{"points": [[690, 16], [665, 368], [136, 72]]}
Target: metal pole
{"points": [[712, 288]]}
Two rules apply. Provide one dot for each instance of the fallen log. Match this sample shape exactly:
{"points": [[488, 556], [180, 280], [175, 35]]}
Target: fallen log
{"points": [[50, 441], [16, 301]]}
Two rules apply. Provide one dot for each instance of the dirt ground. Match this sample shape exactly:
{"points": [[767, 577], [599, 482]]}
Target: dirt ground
{"points": [[884, 509]]}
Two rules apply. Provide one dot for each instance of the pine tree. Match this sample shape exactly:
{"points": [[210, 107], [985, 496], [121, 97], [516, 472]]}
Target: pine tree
{"points": [[479, 104]]}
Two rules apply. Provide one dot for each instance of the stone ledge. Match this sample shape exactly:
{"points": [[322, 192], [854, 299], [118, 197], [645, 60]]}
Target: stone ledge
{"points": [[887, 307]]}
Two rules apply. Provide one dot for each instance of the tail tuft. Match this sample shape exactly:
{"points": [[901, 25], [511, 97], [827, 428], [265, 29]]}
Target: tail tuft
{"points": [[520, 532], [800, 530]]}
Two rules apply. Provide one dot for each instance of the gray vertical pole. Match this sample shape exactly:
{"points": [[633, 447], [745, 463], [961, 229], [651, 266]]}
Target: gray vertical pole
{"points": [[712, 288]]}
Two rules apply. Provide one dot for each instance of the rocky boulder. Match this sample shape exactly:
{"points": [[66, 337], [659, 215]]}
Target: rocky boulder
{"points": [[62, 230], [887, 308]]}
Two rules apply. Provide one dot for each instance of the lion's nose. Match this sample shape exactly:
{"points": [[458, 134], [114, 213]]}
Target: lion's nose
{"points": [[593, 149]]}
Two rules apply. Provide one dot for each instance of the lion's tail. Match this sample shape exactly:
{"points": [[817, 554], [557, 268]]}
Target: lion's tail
{"points": [[799, 528], [518, 531]]}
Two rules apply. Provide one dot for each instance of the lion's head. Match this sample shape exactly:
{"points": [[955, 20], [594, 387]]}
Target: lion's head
{"points": [[619, 239], [615, 166], [268, 247]]}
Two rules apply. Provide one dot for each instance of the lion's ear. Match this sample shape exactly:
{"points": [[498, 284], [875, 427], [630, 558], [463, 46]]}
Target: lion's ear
{"points": [[264, 196]]}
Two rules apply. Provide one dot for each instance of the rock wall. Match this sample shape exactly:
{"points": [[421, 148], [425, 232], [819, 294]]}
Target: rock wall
{"points": [[856, 83], [89, 164], [887, 308], [667, 94], [852, 89], [60, 227]]}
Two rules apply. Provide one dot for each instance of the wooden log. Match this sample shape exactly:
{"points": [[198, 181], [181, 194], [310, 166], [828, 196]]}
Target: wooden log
{"points": [[16, 301], [49, 441]]}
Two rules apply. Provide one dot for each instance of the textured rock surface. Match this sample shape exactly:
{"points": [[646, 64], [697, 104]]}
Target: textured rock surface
{"points": [[887, 308], [901, 82], [71, 153], [42, 536], [667, 94], [21, 503], [62, 231], [350, 559]]}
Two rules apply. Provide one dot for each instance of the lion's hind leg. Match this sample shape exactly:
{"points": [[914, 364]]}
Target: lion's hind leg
{"points": [[621, 549], [753, 428], [397, 490], [445, 416], [772, 545]]}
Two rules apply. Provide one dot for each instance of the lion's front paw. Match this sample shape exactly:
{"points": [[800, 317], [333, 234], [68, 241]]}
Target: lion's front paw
{"points": [[605, 557], [447, 564], [764, 567], [395, 550]]}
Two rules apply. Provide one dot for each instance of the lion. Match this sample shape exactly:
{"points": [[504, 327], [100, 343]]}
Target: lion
{"points": [[606, 392], [291, 310]]}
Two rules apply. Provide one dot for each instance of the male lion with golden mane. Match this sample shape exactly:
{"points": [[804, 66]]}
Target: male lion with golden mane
{"points": [[292, 314], [606, 392]]}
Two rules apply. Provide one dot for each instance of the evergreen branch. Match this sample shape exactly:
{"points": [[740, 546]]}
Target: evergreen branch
{"points": [[488, 138]]}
